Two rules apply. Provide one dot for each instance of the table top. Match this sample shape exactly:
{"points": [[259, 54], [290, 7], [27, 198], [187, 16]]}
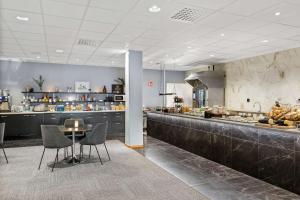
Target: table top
{"points": [[86, 127]]}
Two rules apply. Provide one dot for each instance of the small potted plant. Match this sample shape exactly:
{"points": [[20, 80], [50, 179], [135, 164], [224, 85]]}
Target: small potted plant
{"points": [[40, 81]]}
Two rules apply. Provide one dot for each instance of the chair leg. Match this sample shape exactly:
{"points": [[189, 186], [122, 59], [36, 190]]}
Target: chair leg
{"points": [[107, 151], [56, 158], [98, 155], [90, 152], [41, 158], [4, 153]]}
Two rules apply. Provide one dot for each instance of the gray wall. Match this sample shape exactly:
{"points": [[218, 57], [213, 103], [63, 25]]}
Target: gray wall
{"points": [[15, 76]]}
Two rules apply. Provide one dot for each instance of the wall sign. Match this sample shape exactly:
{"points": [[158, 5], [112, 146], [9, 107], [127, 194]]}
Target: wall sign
{"points": [[150, 83]]}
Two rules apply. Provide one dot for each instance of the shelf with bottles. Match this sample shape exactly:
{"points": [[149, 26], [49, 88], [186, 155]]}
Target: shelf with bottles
{"points": [[65, 97], [103, 93]]}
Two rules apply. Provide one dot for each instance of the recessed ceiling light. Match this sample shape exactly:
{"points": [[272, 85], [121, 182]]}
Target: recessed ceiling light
{"points": [[222, 34], [277, 13], [265, 41], [38, 57], [211, 55], [59, 51], [189, 47], [154, 9], [22, 18], [112, 62]]}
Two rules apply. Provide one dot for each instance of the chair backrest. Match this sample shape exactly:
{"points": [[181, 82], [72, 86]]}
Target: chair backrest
{"points": [[98, 134], [70, 123], [2, 129], [53, 137]]}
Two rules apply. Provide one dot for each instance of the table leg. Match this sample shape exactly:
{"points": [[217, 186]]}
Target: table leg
{"points": [[73, 152]]}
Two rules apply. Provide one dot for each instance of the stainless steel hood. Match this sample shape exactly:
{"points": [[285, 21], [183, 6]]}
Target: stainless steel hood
{"points": [[206, 79], [213, 82]]}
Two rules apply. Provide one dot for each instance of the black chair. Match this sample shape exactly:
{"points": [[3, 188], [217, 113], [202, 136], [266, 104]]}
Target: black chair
{"points": [[54, 139], [2, 129], [95, 137]]}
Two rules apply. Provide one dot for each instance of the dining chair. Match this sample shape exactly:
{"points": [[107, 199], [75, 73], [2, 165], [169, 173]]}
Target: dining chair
{"points": [[53, 139], [96, 137], [2, 129]]}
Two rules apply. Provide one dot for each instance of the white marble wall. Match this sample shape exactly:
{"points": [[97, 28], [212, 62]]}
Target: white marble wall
{"points": [[265, 78]]}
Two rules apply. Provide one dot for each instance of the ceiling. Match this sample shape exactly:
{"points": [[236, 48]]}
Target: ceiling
{"points": [[223, 30]]}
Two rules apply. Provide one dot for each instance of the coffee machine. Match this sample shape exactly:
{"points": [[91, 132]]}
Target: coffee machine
{"points": [[4, 100]]}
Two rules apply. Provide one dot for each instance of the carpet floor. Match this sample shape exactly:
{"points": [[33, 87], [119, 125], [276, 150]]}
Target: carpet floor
{"points": [[128, 176]]}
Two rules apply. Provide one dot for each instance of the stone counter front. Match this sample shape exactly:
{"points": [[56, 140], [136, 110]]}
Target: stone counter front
{"points": [[267, 154]]}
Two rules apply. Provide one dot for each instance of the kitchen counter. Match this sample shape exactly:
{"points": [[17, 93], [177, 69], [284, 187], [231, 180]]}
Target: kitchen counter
{"points": [[272, 155], [26, 125], [32, 112]]}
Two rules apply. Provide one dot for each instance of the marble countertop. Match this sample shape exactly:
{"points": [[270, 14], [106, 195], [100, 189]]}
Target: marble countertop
{"points": [[293, 131], [31, 112]]}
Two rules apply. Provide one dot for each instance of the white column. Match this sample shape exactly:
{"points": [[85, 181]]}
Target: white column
{"points": [[134, 99]]}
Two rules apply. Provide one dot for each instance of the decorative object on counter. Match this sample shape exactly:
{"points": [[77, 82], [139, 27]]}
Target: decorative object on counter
{"points": [[117, 89], [40, 82], [178, 99], [40, 108], [104, 90], [81, 86], [121, 83], [69, 89]]}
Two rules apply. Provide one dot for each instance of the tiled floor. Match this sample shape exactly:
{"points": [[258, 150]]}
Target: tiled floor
{"points": [[211, 179]]}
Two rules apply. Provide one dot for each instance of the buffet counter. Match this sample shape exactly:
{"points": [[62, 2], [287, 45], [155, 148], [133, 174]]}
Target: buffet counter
{"points": [[272, 155]]}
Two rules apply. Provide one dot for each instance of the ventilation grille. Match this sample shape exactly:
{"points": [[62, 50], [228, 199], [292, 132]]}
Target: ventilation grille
{"points": [[87, 42], [187, 15], [206, 62]]}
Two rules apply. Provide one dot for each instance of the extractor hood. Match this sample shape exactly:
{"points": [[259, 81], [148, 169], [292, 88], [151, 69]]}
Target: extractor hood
{"points": [[206, 79]]}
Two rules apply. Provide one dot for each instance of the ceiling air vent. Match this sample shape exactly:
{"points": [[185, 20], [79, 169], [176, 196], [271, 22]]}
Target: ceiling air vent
{"points": [[87, 42], [187, 15]]}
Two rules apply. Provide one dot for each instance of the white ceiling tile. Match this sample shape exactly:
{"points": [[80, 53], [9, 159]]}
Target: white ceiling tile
{"points": [[246, 24], [5, 34], [118, 5], [102, 15], [24, 5], [60, 32], [212, 4], [277, 30], [78, 2], [63, 9], [83, 49], [28, 36], [97, 27], [219, 20], [247, 8], [11, 16], [92, 35], [62, 22], [289, 14], [26, 28], [113, 45], [145, 41]]}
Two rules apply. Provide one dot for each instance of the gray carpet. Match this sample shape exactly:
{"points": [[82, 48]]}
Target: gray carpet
{"points": [[128, 176]]}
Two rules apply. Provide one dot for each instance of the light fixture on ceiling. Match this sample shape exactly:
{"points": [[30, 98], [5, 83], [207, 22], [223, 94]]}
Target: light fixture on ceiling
{"points": [[212, 55], [154, 9], [38, 57], [112, 62], [189, 47], [59, 51], [265, 41], [22, 18], [277, 13], [222, 34]]}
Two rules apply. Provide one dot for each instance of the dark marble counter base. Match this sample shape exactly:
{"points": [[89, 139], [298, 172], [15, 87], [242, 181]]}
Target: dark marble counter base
{"points": [[270, 155]]}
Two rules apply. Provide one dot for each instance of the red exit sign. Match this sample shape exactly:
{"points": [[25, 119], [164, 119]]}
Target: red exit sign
{"points": [[150, 83]]}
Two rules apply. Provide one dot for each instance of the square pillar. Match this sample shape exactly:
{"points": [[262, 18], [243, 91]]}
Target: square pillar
{"points": [[134, 99]]}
